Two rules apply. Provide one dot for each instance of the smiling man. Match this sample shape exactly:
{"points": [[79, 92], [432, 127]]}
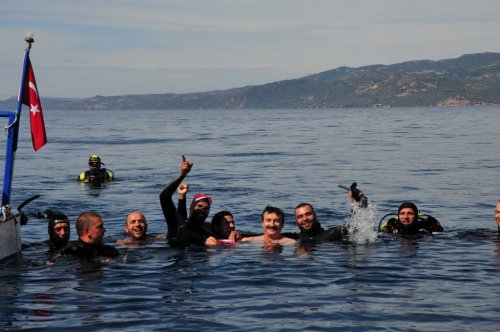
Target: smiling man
{"points": [[136, 227], [310, 228], [408, 222], [272, 220]]}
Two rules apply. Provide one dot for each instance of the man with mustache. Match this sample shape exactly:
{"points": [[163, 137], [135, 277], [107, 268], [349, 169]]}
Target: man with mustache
{"points": [[272, 220]]}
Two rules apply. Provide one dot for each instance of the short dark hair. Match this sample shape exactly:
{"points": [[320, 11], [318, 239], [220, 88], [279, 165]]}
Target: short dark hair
{"points": [[273, 209], [217, 219], [305, 204], [84, 219]]}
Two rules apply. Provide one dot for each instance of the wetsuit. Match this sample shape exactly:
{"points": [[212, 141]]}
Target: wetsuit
{"points": [[54, 243], [423, 225], [90, 251], [96, 177], [54, 246], [318, 234], [182, 232]]}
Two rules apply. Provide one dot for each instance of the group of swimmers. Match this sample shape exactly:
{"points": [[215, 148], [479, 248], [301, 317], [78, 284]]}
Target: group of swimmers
{"points": [[191, 229]]}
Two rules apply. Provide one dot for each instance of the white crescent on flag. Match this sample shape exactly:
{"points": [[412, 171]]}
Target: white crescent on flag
{"points": [[33, 87]]}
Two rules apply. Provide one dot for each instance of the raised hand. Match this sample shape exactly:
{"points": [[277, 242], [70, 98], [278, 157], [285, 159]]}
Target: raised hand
{"points": [[185, 166], [182, 190]]}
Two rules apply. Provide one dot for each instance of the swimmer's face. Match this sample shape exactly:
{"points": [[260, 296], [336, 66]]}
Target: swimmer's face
{"points": [[62, 231], [136, 225], [406, 216], [96, 230], [202, 207], [497, 215], [94, 166], [305, 218], [227, 226], [271, 224]]}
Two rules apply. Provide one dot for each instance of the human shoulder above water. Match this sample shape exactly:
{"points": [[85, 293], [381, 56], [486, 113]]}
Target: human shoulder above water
{"points": [[310, 228], [90, 244], [182, 229], [272, 222], [136, 227], [410, 221], [96, 173]]}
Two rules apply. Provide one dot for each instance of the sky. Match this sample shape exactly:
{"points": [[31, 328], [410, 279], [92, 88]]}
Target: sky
{"points": [[115, 47]]}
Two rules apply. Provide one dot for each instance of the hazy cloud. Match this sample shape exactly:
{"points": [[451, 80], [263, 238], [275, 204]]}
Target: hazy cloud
{"points": [[85, 48]]}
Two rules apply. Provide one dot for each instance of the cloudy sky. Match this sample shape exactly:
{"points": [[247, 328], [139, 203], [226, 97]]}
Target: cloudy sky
{"points": [[114, 47]]}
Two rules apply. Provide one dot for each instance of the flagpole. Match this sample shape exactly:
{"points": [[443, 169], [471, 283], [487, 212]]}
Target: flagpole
{"points": [[13, 128]]}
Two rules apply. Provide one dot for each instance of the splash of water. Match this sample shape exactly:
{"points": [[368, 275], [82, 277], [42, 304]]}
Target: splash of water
{"points": [[360, 224]]}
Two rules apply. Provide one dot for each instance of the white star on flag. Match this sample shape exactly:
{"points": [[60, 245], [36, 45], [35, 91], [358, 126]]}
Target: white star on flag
{"points": [[34, 109], [30, 98]]}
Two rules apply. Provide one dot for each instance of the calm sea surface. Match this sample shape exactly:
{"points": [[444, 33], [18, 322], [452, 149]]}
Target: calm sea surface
{"points": [[446, 160]]}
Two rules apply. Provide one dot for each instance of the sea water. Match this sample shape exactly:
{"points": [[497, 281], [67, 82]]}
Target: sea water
{"points": [[444, 159]]}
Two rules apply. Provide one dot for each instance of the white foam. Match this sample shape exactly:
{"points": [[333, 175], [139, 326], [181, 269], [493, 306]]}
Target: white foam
{"points": [[360, 224]]}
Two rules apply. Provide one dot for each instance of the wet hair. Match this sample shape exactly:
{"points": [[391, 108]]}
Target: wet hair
{"points": [[217, 221], [84, 219], [273, 209], [306, 204]]}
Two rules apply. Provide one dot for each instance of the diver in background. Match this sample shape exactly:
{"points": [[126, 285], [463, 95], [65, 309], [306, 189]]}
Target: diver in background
{"points": [[96, 174]]}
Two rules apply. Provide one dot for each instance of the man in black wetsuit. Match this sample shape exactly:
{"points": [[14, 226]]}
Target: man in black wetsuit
{"points": [[311, 230], [409, 222], [59, 231], [90, 229], [182, 232]]}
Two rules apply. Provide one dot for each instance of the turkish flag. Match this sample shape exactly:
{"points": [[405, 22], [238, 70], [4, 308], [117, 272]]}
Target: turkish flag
{"points": [[32, 100]]}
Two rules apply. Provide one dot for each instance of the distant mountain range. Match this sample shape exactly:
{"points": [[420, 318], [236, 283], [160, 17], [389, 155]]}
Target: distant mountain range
{"points": [[472, 79]]}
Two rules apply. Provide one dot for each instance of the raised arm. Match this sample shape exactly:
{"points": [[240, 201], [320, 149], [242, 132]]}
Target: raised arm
{"points": [[182, 191], [167, 205]]}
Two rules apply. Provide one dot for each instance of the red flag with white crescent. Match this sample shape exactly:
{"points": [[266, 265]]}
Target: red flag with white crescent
{"points": [[32, 100]]}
